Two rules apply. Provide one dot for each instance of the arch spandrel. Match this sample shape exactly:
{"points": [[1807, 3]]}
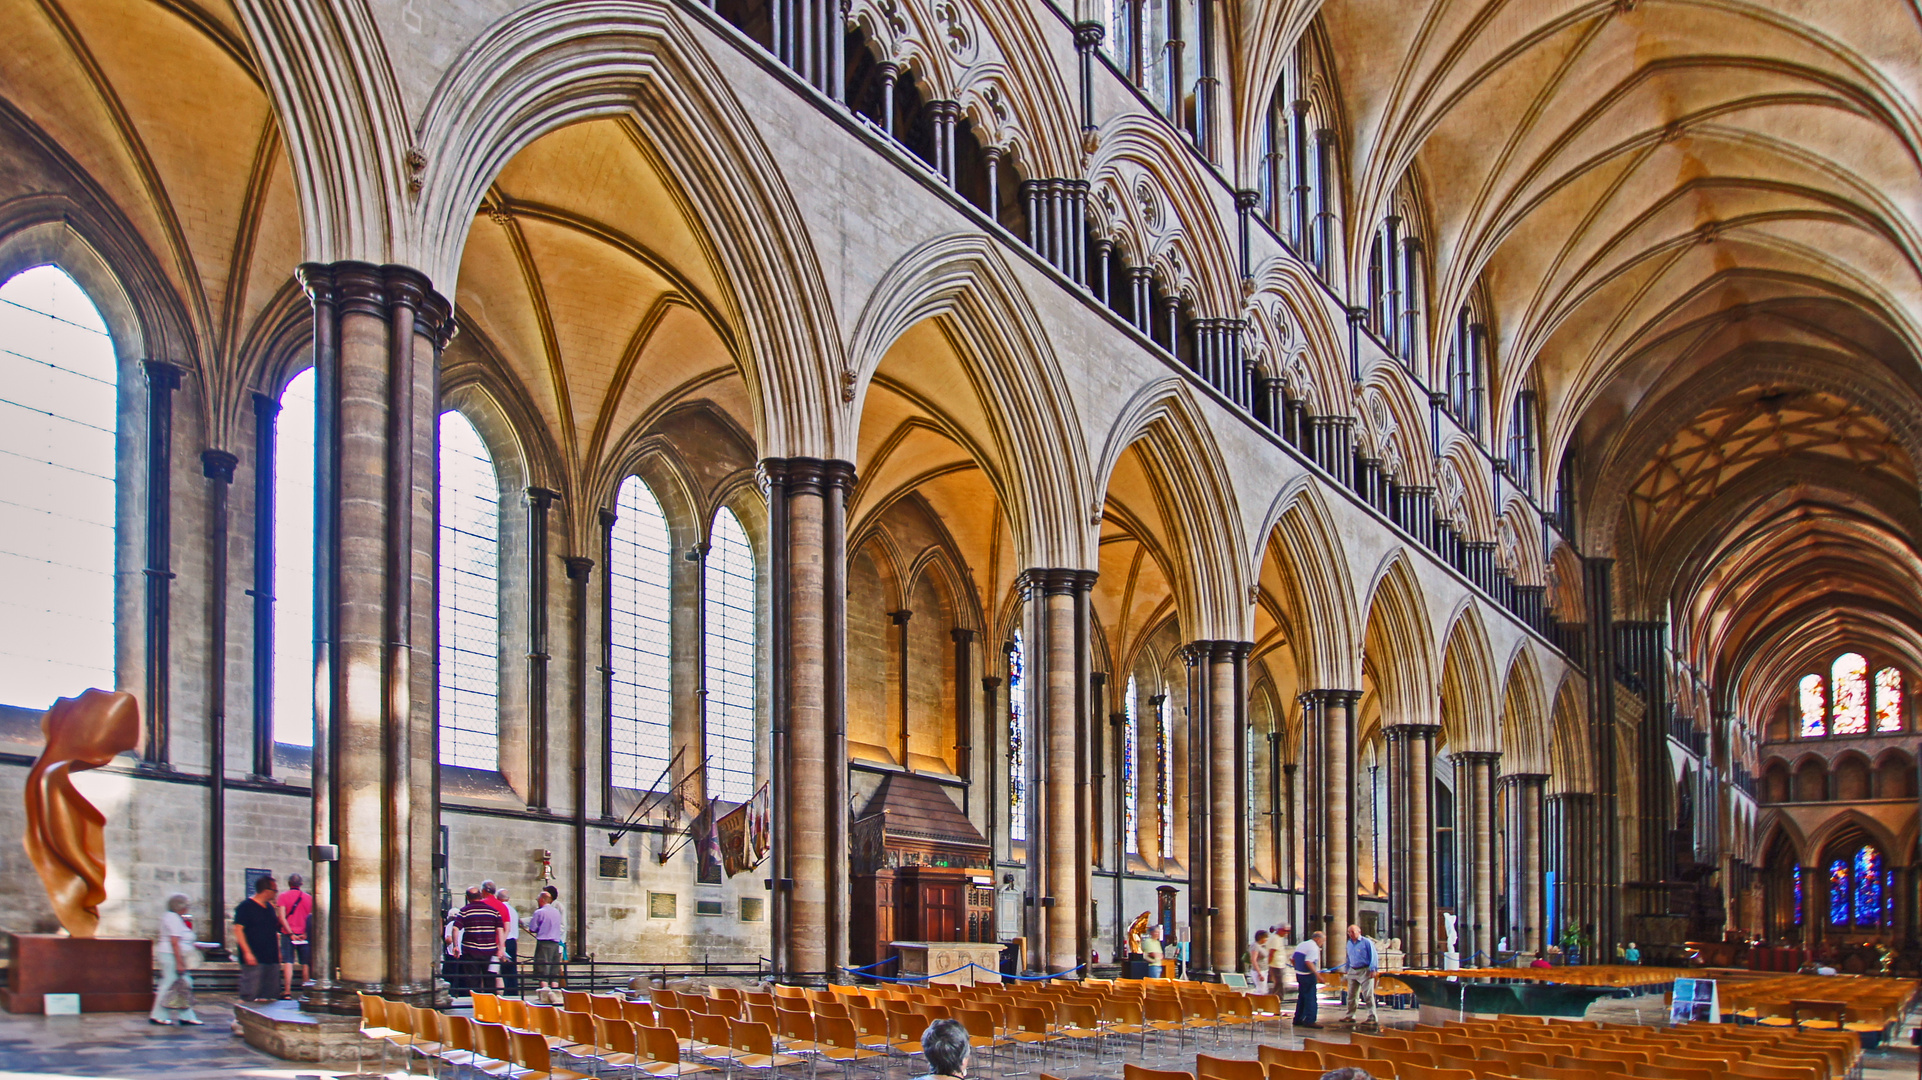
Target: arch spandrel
{"points": [[1304, 559], [1147, 192], [1526, 731], [1469, 687], [1399, 644]]}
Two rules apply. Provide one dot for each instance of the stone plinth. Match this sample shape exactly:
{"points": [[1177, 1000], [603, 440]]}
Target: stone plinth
{"points": [[281, 1029], [941, 958], [109, 974]]}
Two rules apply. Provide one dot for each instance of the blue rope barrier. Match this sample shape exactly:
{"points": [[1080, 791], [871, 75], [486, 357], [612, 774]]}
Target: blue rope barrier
{"points": [[871, 967], [1033, 978], [907, 978]]}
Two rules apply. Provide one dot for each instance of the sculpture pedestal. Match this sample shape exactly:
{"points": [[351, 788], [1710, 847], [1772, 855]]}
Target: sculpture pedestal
{"points": [[109, 974]]}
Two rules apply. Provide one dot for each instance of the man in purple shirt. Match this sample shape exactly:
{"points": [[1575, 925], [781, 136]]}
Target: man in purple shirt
{"points": [[479, 932], [549, 929]]}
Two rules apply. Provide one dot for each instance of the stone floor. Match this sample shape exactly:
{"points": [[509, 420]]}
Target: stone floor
{"points": [[119, 1045]]}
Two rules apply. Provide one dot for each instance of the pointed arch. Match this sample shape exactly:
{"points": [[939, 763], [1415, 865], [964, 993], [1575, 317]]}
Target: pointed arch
{"points": [[544, 68], [1469, 710], [1162, 420], [1569, 769], [1146, 191], [1314, 571], [1525, 723], [1397, 642], [1038, 461], [1837, 828]]}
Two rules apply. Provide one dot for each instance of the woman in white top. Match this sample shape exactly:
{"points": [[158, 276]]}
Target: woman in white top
{"points": [[176, 951]]}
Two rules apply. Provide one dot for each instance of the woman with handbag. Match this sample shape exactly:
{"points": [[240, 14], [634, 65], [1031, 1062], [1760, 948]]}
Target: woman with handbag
{"points": [[174, 1000]]}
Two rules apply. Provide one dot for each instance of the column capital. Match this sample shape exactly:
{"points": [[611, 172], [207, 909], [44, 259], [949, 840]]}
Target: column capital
{"points": [[218, 465], [1329, 698], [1088, 35], [1410, 731], [1056, 581], [162, 374], [541, 498], [1525, 778], [578, 567], [961, 635], [806, 475], [1477, 757], [608, 518], [368, 289]]}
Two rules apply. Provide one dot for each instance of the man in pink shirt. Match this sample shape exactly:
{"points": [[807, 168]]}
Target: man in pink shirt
{"points": [[296, 907]]}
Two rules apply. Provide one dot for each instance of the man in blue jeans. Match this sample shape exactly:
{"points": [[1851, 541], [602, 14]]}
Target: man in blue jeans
{"points": [[1307, 963]]}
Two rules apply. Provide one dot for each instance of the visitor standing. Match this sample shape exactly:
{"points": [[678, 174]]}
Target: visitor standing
{"points": [[511, 967], [1307, 963], [549, 929], [1258, 954], [1278, 952], [1359, 968], [178, 955], [478, 930], [296, 907], [257, 931]]}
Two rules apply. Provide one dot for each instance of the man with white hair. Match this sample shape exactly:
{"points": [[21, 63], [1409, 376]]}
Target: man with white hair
{"points": [[1358, 975]]}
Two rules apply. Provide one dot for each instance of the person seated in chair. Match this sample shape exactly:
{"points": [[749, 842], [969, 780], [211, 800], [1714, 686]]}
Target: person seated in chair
{"points": [[945, 1044]]}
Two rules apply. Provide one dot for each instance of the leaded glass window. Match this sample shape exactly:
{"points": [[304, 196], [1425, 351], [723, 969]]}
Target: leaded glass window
{"points": [[1130, 773], [469, 598], [1814, 705], [1868, 886], [1849, 714], [1839, 898], [1164, 786], [1017, 743], [294, 563], [728, 648], [1796, 875], [1888, 699], [640, 561], [59, 382]]}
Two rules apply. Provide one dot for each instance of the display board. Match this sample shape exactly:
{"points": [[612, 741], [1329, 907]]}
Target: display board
{"points": [[1695, 1001]]}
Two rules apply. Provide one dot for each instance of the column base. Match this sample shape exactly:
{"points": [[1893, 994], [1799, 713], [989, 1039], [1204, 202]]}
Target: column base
{"points": [[282, 1029]]}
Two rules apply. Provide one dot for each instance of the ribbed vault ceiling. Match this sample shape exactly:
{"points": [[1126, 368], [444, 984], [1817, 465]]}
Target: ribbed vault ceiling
{"points": [[1660, 196]]}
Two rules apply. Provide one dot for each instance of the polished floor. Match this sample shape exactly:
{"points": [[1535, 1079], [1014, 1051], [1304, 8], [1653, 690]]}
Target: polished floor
{"points": [[126, 1047]]}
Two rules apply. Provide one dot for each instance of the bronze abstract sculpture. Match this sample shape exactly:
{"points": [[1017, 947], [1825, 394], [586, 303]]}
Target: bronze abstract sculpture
{"points": [[1139, 927], [66, 835]]}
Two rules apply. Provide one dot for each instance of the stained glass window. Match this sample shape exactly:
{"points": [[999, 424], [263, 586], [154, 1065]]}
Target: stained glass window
{"points": [[1017, 751], [1868, 886], [293, 513], [1164, 783], [1888, 700], [639, 562], [1796, 875], [470, 519], [1850, 677], [728, 651], [1130, 774], [58, 418], [1839, 898], [1814, 707]]}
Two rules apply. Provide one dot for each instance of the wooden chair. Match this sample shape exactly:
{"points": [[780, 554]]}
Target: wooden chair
{"points": [[661, 1050], [639, 1013], [753, 1046], [1294, 1059], [795, 1030], [617, 1043], [463, 1049], [373, 1026], [1214, 1068], [531, 1054], [1130, 1071], [680, 1022], [609, 1006], [1079, 1025], [494, 1044], [838, 1042], [711, 1037], [982, 1036], [1289, 1072], [425, 1026], [577, 1001], [487, 1007]]}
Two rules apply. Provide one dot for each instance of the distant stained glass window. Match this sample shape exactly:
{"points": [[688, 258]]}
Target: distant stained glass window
{"points": [[1017, 753], [1868, 886], [1839, 893], [1850, 678], [1814, 707], [1796, 874], [1888, 700], [1131, 773]]}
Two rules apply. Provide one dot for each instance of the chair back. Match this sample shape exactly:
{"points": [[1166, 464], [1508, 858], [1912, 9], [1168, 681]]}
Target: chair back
{"points": [[460, 1033], [750, 1037], [725, 993], [608, 1005], [759, 1013], [835, 1031], [373, 1013], [544, 1019], [794, 1025], [487, 1007], [426, 1025], [1081, 1016], [577, 1001], [1214, 1068], [580, 1029], [616, 1036], [832, 1008], [513, 1013], [678, 1021], [1131, 1071], [711, 1029], [638, 1012], [530, 1051], [492, 1041], [870, 1022], [728, 1007], [666, 997], [1162, 1010]]}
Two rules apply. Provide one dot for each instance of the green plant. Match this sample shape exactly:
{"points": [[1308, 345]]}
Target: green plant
{"points": [[1574, 937]]}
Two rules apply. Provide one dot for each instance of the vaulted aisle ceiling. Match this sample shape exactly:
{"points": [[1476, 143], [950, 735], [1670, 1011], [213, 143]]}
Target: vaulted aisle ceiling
{"points": [[1696, 227]]}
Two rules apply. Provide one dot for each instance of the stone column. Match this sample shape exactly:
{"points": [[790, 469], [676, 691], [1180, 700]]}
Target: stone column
{"points": [[808, 620], [1421, 837], [579, 570], [1474, 772], [1526, 914], [1056, 684], [1329, 805], [1409, 868], [218, 466], [539, 501], [266, 448], [1227, 824], [378, 332], [162, 380]]}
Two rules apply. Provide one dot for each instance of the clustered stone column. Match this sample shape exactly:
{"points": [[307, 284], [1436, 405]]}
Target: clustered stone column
{"points": [[1218, 825], [378, 332], [1475, 785], [1328, 841], [1411, 836], [1056, 682], [1523, 858], [807, 512]]}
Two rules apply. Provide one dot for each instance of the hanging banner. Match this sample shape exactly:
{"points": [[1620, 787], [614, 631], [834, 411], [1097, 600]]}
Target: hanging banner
{"points": [[745, 834], [760, 826]]}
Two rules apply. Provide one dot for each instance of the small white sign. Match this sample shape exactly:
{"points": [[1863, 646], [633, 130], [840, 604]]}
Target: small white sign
{"points": [[61, 1004]]}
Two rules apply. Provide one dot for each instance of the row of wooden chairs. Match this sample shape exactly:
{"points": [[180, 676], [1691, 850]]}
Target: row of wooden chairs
{"points": [[1869, 1002]]}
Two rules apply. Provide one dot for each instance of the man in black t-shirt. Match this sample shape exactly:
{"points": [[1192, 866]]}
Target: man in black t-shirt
{"points": [[257, 929]]}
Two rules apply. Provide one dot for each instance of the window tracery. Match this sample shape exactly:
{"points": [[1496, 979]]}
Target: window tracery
{"points": [[1130, 772], [640, 562], [60, 380], [469, 598], [1017, 742], [728, 647], [1846, 700], [1849, 707]]}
